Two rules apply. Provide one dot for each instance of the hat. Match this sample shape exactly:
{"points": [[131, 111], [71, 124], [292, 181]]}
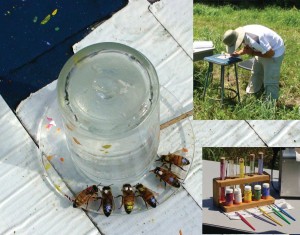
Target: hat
{"points": [[233, 39]]}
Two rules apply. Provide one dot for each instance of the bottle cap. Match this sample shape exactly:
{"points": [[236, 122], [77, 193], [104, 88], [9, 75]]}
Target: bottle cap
{"points": [[241, 160], [266, 185], [229, 190], [247, 188], [257, 187], [260, 155], [237, 191]]}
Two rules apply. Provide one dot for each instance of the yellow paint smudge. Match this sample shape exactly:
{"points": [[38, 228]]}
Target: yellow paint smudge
{"points": [[57, 187], [47, 166], [76, 141], [50, 157], [54, 12], [58, 129], [62, 159], [46, 19], [107, 146], [185, 150]]}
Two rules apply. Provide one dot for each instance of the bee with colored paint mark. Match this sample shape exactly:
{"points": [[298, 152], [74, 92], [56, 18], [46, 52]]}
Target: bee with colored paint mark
{"points": [[146, 195], [127, 198], [107, 200], [167, 176], [175, 159], [91, 192]]}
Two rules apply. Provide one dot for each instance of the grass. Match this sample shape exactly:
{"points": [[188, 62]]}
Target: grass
{"points": [[210, 23], [214, 154]]}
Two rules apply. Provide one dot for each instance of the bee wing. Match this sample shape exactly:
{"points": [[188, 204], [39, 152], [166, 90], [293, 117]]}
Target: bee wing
{"points": [[154, 193]]}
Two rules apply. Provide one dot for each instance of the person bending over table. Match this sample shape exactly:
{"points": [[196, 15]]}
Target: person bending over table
{"points": [[268, 49]]}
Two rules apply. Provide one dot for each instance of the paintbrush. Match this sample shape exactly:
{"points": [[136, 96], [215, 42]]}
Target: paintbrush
{"points": [[260, 218], [285, 212], [244, 220], [269, 217], [279, 215]]}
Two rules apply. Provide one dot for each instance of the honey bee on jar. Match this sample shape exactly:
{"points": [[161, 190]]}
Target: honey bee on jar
{"points": [[127, 198], [107, 201], [174, 158], [167, 176], [147, 195], [91, 192]]}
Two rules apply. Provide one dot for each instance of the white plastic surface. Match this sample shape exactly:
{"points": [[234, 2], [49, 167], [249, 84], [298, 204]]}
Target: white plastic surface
{"points": [[27, 203]]}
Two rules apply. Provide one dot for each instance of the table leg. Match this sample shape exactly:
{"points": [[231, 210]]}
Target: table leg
{"points": [[222, 83], [209, 73], [237, 83]]}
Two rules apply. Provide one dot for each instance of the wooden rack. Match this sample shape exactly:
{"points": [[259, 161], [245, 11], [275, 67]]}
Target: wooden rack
{"points": [[248, 179]]}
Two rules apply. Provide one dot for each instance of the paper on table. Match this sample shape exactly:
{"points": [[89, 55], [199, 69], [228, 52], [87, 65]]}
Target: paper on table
{"points": [[202, 44], [224, 56], [280, 203]]}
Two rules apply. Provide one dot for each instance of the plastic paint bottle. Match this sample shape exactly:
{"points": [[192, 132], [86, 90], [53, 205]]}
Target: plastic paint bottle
{"points": [[229, 197], [260, 163], [237, 196], [247, 193], [257, 192], [265, 190]]}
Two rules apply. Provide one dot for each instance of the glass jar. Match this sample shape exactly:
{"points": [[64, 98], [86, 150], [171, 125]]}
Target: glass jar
{"points": [[108, 95]]}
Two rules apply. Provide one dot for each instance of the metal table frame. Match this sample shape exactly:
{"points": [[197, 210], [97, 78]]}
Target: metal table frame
{"points": [[223, 62]]}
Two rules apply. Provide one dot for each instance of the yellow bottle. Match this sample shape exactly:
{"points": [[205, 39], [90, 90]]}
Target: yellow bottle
{"points": [[247, 193]]}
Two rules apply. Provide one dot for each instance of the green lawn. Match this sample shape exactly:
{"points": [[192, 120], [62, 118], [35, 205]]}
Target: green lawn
{"points": [[210, 23]]}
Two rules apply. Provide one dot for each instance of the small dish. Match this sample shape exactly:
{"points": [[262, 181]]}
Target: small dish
{"points": [[65, 179]]}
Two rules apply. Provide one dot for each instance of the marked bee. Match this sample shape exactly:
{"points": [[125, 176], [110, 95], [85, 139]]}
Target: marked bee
{"points": [[127, 198], [91, 192], [107, 200], [147, 195], [175, 159], [167, 176]]}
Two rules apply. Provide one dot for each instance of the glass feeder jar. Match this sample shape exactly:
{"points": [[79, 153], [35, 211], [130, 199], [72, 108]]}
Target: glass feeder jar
{"points": [[108, 95]]}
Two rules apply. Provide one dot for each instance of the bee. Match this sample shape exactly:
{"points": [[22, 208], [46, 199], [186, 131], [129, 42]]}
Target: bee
{"points": [[127, 198], [107, 200], [175, 159], [146, 195], [167, 176], [91, 192]]}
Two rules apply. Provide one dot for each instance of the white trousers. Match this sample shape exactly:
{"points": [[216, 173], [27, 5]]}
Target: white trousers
{"points": [[265, 71]]}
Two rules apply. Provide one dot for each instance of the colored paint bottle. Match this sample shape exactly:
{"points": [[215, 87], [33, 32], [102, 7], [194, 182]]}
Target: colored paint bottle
{"points": [[265, 190], [222, 176], [260, 163], [229, 197], [242, 167], [257, 192], [237, 196], [247, 193], [252, 163]]}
